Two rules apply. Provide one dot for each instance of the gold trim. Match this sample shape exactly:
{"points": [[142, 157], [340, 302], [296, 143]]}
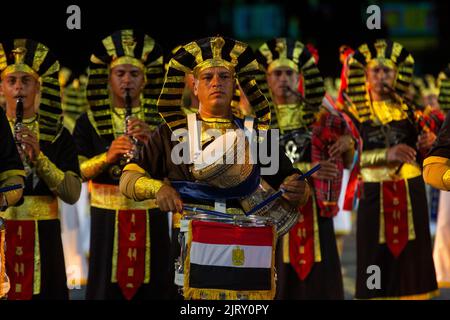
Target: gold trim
{"points": [[33, 208], [420, 296], [303, 166], [411, 231], [147, 248], [37, 262], [11, 173], [435, 159], [115, 252], [20, 67], [282, 62], [286, 255], [444, 284], [107, 196], [374, 157], [317, 251], [128, 60], [381, 234], [211, 63], [383, 173]]}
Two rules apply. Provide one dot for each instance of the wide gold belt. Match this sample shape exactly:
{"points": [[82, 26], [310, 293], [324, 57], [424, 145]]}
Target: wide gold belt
{"points": [[33, 208], [383, 173], [107, 196]]}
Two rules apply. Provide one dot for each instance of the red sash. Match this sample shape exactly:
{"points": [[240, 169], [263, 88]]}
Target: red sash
{"points": [[395, 209], [301, 241], [132, 225], [20, 241]]}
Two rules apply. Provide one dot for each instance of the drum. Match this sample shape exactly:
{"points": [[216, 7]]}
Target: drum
{"points": [[226, 258], [225, 162], [280, 211]]}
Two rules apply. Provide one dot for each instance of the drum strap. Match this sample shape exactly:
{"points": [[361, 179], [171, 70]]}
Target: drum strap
{"points": [[203, 191], [194, 134]]}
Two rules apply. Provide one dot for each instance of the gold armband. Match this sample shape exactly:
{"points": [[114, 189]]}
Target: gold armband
{"points": [[92, 167], [13, 196], [374, 157], [146, 188], [48, 171], [436, 172]]}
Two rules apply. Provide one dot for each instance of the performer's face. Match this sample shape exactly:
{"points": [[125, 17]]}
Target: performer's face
{"points": [[282, 81], [214, 88], [20, 84], [379, 74], [126, 76], [431, 100]]}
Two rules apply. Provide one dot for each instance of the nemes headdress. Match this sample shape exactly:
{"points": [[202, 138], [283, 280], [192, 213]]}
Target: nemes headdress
{"points": [[444, 89], [124, 47], [285, 52], [385, 52], [34, 58], [199, 55]]}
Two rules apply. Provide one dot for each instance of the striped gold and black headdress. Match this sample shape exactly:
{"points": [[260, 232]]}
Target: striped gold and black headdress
{"points": [[285, 52], [124, 47], [444, 89], [386, 52], [32, 57], [198, 55]]}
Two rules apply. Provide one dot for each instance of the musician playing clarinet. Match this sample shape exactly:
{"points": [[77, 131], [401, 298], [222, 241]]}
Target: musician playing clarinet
{"points": [[129, 247], [34, 259], [393, 237], [307, 257]]}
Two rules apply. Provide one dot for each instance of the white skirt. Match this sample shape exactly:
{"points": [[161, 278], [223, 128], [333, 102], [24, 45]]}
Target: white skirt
{"points": [[343, 220], [441, 252]]}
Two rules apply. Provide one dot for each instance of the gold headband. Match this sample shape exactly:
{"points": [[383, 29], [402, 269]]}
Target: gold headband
{"points": [[128, 60], [210, 63], [19, 67], [381, 61], [282, 62]]}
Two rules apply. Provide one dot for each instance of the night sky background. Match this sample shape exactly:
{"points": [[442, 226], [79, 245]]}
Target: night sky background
{"points": [[422, 26]]}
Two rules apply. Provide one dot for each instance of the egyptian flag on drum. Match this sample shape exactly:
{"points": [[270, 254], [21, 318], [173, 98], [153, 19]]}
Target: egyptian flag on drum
{"points": [[227, 261]]}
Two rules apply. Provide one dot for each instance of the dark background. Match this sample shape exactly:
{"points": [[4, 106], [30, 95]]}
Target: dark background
{"points": [[423, 27]]}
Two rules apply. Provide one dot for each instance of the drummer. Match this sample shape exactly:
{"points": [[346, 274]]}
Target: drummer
{"points": [[218, 65]]}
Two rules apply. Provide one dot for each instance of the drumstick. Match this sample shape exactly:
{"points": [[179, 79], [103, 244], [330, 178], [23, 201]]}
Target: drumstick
{"points": [[11, 188], [206, 211], [279, 193]]}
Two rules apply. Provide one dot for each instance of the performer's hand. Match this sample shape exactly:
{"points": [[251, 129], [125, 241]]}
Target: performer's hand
{"points": [[139, 129], [342, 145], [168, 199], [426, 140], [121, 145], [401, 153], [297, 191], [328, 170], [30, 142]]}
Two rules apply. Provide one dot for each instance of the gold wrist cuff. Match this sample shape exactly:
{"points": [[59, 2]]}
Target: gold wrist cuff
{"points": [[92, 167], [374, 157], [48, 171], [146, 188]]}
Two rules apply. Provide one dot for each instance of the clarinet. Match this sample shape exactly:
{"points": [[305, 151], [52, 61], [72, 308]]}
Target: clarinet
{"points": [[18, 125], [410, 114], [133, 154]]}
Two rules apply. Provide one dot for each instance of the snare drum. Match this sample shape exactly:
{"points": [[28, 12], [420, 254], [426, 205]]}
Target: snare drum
{"points": [[226, 258], [225, 162]]}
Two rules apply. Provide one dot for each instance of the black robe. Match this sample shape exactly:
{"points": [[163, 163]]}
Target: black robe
{"points": [[324, 282], [9, 157], [90, 144], [62, 153], [412, 273]]}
